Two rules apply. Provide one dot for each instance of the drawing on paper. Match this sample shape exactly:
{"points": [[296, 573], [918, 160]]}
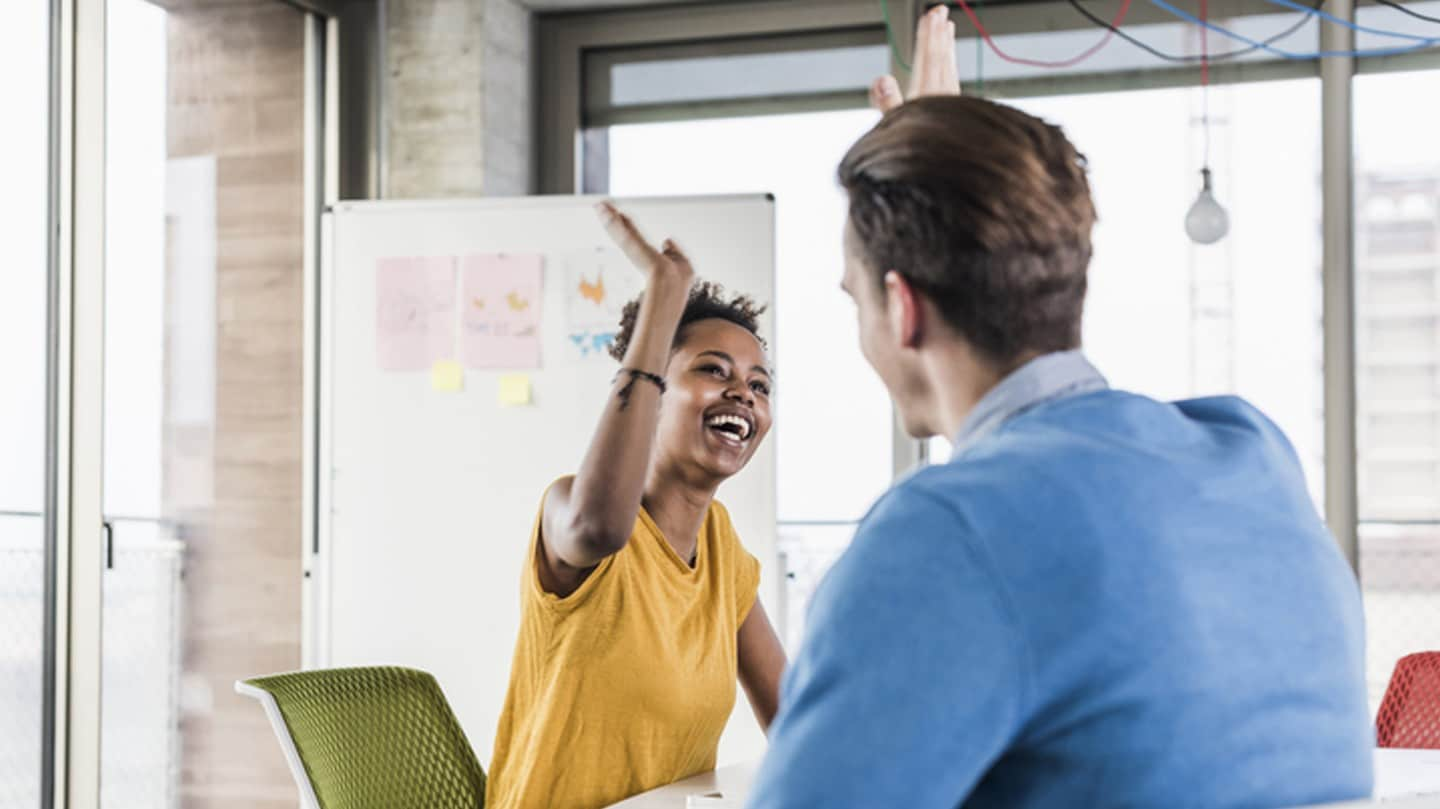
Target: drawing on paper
{"points": [[506, 334]]}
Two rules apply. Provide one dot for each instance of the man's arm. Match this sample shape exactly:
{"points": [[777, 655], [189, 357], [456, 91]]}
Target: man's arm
{"points": [[912, 679]]}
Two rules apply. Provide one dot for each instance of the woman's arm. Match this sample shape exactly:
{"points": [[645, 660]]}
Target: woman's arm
{"points": [[590, 516], [762, 661]]}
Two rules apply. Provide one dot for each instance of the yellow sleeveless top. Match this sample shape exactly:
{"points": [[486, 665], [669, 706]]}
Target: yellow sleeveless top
{"points": [[626, 684]]}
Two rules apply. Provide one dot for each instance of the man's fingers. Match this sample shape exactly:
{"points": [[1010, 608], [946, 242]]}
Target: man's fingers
{"points": [[920, 60], [885, 94], [920, 65], [952, 73], [939, 52]]}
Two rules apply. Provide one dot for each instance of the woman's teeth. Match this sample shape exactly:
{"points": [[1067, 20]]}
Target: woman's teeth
{"points": [[742, 427]]}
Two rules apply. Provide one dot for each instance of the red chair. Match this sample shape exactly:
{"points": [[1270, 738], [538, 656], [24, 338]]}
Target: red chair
{"points": [[1410, 714]]}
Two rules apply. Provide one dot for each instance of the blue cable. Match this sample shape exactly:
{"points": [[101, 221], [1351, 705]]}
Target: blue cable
{"points": [[1298, 57], [1314, 12]]}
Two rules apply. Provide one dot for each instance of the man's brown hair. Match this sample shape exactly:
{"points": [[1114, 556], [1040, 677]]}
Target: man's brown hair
{"points": [[984, 210]]}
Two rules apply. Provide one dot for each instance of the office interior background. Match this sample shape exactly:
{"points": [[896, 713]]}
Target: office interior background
{"points": [[167, 165]]}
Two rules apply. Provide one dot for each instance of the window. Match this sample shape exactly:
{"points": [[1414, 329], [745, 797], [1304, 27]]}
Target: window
{"points": [[24, 159], [1165, 317], [1171, 319], [1397, 288]]}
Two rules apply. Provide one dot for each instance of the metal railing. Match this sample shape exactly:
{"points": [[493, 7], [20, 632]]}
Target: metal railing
{"points": [[140, 762]]}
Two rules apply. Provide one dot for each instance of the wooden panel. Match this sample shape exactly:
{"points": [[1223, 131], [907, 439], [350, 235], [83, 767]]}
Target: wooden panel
{"points": [[236, 92]]}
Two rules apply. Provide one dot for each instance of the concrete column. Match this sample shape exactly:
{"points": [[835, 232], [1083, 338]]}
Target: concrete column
{"points": [[456, 99]]}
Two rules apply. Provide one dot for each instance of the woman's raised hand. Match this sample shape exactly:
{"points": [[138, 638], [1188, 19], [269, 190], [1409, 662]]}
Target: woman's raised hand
{"points": [[667, 270]]}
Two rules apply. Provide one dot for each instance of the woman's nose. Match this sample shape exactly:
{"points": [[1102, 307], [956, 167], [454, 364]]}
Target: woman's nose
{"points": [[741, 393]]}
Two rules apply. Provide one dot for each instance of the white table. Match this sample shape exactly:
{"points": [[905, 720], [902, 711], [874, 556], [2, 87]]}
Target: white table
{"points": [[732, 783], [1398, 774], [1402, 773]]}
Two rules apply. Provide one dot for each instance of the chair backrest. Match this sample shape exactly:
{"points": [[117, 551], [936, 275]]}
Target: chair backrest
{"points": [[1410, 714], [371, 738]]}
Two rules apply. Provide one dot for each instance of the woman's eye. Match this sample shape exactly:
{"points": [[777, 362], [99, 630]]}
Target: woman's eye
{"points": [[760, 388], [714, 370]]}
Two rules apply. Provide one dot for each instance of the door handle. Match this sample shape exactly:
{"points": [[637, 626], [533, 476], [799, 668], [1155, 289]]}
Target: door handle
{"points": [[108, 531]]}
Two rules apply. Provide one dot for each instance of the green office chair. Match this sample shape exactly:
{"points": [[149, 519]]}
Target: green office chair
{"points": [[370, 738]]}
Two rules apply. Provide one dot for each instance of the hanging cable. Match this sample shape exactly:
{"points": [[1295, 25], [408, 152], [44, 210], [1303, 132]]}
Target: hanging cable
{"points": [[1301, 57], [1205, 81], [979, 66], [1291, 4], [1403, 10], [1190, 59], [1205, 73], [890, 37], [1111, 27], [1071, 62]]}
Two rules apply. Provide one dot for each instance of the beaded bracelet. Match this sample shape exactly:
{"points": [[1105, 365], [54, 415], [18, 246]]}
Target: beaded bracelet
{"points": [[635, 373]]}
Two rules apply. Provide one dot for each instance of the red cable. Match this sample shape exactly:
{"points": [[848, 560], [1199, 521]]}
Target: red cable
{"points": [[1105, 40]]}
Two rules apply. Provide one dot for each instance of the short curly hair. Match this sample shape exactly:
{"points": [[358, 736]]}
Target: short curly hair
{"points": [[707, 301]]}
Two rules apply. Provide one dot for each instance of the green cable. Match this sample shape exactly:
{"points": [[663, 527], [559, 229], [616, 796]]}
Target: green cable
{"points": [[979, 59], [890, 36]]}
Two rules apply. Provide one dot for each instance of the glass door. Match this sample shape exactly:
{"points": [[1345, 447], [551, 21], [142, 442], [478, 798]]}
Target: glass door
{"points": [[24, 161], [204, 256]]}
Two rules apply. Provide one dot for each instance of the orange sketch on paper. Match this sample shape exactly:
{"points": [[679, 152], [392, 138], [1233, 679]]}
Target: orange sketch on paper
{"points": [[593, 292], [597, 284], [502, 335]]}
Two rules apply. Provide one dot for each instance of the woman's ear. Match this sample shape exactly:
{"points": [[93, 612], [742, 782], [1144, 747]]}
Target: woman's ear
{"points": [[903, 310]]}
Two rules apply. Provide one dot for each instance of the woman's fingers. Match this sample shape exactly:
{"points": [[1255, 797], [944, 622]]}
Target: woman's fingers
{"points": [[677, 258], [627, 237], [667, 267]]}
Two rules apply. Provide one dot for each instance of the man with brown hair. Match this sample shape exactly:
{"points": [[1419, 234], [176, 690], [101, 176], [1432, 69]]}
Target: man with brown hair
{"points": [[1101, 600]]}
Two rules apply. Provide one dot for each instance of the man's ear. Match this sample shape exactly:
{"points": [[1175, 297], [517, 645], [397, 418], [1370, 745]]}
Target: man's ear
{"points": [[903, 310]]}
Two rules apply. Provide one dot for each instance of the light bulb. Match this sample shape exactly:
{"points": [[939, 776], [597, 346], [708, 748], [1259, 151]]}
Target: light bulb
{"points": [[1207, 222]]}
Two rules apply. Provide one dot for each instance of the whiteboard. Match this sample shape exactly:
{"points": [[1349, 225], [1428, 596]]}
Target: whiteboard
{"points": [[425, 500]]}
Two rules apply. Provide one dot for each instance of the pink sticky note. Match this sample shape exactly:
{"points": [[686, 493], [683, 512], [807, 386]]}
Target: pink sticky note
{"points": [[500, 327], [414, 312]]}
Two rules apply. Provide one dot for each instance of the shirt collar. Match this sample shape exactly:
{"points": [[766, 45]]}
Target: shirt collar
{"points": [[1043, 379]]}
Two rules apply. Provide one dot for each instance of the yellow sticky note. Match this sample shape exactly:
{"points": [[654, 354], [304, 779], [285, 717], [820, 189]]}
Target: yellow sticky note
{"points": [[447, 376], [515, 390]]}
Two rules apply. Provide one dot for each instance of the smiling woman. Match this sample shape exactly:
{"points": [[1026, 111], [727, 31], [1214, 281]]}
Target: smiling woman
{"points": [[641, 612]]}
